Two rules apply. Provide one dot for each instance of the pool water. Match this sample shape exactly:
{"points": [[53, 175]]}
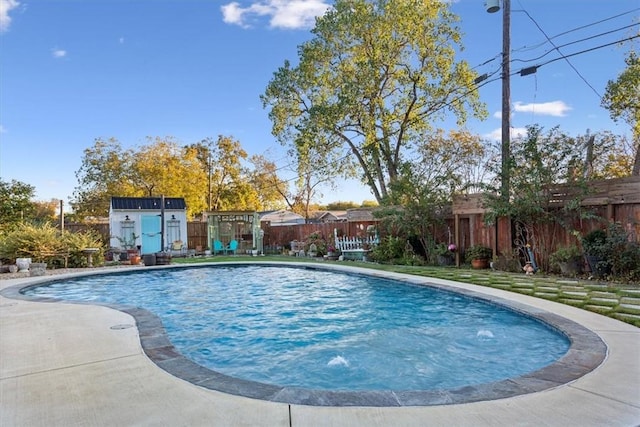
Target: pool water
{"points": [[325, 330]]}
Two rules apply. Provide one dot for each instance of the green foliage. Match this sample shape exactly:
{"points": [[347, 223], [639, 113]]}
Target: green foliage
{"points": [[542, 166], [595, 243], [615, 250], [15, 204], [211, 171], [478, 252], [341, 206], [390, 250], [75, 243], [622, 96], [371, 82], [565, 254], [45, 243], [316, 238]]}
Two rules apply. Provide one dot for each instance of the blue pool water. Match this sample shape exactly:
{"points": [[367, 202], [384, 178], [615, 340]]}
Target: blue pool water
{"points": [[326, 330]]}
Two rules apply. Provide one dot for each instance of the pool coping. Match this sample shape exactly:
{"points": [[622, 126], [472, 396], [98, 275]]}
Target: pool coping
{"points": [[586, 353]]}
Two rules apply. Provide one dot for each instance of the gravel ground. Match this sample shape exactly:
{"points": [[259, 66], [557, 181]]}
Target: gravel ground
{"points": [[51, 272]]}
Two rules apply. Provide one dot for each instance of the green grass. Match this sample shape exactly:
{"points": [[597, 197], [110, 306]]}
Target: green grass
{"points": [[600, 297]]}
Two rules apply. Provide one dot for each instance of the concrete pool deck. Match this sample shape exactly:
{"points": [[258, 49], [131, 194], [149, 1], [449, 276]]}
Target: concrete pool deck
{"points": [[71, 364]]}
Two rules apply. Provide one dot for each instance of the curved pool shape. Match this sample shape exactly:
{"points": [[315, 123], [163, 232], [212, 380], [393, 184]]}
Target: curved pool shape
{"points": [[307, 335]]}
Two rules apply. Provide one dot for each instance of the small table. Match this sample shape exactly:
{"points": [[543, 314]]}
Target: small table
{"points": [[89, 253]]}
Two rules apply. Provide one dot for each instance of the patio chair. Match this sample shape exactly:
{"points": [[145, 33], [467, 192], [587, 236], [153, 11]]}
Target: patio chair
{"points": [[233, 246], [218, 247], [178, 248]]}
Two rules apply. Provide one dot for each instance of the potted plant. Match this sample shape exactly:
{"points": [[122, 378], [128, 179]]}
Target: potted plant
{"points": [[568, 259], [598, 251], [445, 253], [479, 256], [332, 253]]}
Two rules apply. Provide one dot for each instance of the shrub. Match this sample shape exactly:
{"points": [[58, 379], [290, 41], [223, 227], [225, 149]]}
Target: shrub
{"points": [[390, 250], [565, 254], [478, 252], [595, 244], [42, 243]]}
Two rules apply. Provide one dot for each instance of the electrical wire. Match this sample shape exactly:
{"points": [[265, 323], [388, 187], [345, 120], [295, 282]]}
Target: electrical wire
{"points": [[565, 58]]}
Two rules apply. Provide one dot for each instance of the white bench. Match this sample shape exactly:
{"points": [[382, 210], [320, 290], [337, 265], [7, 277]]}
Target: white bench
{"points": [[354, 248]]}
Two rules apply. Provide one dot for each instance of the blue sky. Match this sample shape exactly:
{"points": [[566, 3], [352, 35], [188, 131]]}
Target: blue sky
{"points": [[75, 70]]}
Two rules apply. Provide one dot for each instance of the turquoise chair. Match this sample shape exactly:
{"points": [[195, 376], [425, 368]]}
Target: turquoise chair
{"points": [[233, 246], [218, 247]]}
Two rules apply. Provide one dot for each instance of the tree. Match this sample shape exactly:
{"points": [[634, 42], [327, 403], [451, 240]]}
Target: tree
{"points": [[453, 163], [103, 173], [369, 85], [161, 167], [15, 203], [608, 155], [341, 206], [622, 99], [264, 179], [548, 185], [46, 212]]}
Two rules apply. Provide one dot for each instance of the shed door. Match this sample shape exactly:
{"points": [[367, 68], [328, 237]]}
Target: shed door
{"points": [[150, 234]]}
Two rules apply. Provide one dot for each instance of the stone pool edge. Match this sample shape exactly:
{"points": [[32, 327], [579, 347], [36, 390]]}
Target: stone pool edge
{"points": [[587, 352]]}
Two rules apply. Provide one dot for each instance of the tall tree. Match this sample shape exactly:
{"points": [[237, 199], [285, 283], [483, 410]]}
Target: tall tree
{"points": [[264, 178], [104, 173], [15, 203], [370, 84], [622, 99]]}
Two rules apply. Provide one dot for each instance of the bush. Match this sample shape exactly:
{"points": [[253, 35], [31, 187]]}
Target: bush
{"points": [[390, 250], [478, 252], [595, 244], [44, 242], [565, 254], [617, 254]]}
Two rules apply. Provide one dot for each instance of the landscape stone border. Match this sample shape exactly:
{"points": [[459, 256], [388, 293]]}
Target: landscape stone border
{"points": [[587, 351]]}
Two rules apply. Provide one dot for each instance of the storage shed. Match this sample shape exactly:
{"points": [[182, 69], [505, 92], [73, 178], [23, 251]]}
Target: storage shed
{"points": [[140, 222]]}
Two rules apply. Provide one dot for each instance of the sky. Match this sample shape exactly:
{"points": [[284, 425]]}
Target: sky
{"points": [[72, 71]]}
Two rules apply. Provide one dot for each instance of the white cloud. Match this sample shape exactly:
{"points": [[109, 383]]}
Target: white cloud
{"points": [[553, 108], [283, 13], [121, 40], [496, 134], [5, 7], [58, 53]]}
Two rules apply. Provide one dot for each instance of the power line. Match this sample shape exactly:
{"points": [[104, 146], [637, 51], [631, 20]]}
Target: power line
{"points": [[576, 29], [565, 58], [574, 42], [580, 53]]}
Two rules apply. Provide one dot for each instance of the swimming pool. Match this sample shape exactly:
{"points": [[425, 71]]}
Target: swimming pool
{"points": [[255, 324]]}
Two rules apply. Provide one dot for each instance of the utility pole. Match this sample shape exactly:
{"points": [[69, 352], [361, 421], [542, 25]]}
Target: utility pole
{"points": [[506, 99], [504, 239], [209, 163], [61, 216]]}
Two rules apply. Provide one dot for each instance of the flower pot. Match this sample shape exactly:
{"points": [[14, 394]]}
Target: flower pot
{"points": [[445, 260], [13, 268], [149, 259], [480, 263], [163, 258], [37, 268], [598, 266], [134, 259], [571, 268], [23, 264]]}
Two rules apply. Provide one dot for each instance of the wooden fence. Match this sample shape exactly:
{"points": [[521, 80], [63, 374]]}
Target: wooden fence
{"points": [[615, 200]]}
